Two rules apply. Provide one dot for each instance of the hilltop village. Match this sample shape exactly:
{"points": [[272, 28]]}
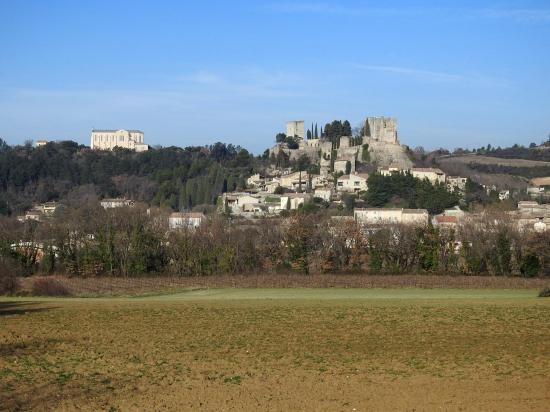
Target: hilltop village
{"points": [[326, 200], [335, 172], [332, 170]]}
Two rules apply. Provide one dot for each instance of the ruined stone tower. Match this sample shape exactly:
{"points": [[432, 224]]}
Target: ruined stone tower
{"points": [[381, 129]]}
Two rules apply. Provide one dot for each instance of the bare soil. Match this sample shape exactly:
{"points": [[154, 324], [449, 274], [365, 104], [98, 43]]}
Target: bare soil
{"points": [[283, 354]]}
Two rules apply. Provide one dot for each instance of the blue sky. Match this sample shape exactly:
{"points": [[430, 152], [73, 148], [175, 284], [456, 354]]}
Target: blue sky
{"points": [[192, 73]]}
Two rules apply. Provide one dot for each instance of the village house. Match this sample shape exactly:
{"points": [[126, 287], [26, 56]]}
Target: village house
{"points": [[380, 216], [456, 183], [236, 201], [539, 187], [341, 164], [294, 181], [352, 183], [250, 205], [434, 175], [445, 222], [319, 181], [450, 218], [185, 220], [48, 208], [255, 181], [388, 171], [503, 195], [38, 212], [30, 215], [323, 193], [117, 202], [292, 201], [271, 185], [533, 216]]}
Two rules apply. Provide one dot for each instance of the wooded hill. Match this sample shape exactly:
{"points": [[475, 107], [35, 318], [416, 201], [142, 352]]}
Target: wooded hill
{"points": [[173, 177]]}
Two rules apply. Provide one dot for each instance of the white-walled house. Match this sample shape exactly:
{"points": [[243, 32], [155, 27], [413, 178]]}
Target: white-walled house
{"points": [[293, 181], [434, 175], [255, 180], [382, 216], [182, 220], [352, 183], [456, 183], [340, 165], [388, 171], [118, 202], [292, 201], [323, 193]]}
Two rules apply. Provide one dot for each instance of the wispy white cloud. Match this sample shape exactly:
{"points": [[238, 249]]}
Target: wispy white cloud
{"points": [[435, 76], [520, 15], [335, 8], [311, 7], [407, 71], [516, 14], [203, 77]]}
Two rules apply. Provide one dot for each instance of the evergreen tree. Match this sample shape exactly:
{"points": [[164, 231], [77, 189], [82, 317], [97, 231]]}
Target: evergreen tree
{"points": [[316, 134]]}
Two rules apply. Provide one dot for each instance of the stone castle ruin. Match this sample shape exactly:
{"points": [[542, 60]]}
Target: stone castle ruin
{"points": [[379, 141]]}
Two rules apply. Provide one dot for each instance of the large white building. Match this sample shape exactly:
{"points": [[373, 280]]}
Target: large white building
{"points": [[391, 216], [109, 139], [180, 220]]}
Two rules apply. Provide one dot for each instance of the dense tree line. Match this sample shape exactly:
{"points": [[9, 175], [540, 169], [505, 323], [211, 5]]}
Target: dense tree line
{"points": [[133, 242], [333, 131], [174, 177], [404, 190], [533, 152], [528, 172]]}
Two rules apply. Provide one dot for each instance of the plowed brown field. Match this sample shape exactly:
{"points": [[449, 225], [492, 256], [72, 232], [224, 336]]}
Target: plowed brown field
{"points": [[418, 353]]}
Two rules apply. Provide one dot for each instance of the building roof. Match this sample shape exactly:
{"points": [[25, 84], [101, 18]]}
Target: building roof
{"points": [[446, 219], [188, 215], [345, 158], [378, 209], [115, 130], [118, 199], [427, 170], [350, 218], [391, 209], [413, 211]]}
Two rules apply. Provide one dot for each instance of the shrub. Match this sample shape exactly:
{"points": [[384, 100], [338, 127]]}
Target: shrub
{"points": [[48, 287], [530, 265], [9, 284], [544, 293]]}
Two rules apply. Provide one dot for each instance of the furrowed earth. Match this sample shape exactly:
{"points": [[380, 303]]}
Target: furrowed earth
{"points": [[293, 349]]}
